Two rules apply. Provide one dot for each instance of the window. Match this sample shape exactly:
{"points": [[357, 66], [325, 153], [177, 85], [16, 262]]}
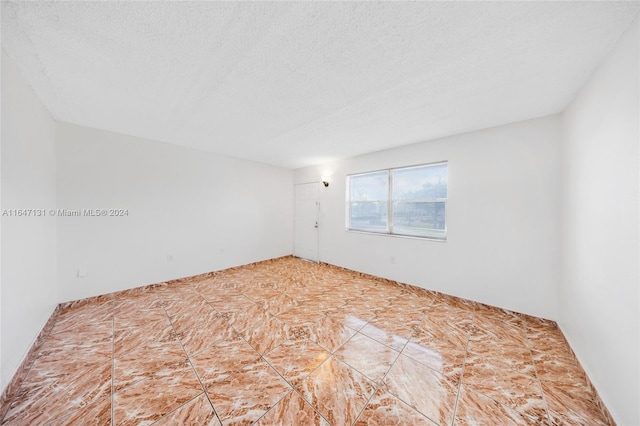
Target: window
{"points": [[410, 201]]}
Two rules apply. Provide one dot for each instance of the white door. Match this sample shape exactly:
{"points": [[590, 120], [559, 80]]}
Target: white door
{"points": [[306, 222]]}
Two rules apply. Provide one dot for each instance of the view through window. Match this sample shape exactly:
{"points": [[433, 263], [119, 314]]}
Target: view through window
{"points": [[410, 201]]}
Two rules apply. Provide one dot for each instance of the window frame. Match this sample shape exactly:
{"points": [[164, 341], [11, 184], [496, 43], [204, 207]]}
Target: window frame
{"points": [[390, 203]]}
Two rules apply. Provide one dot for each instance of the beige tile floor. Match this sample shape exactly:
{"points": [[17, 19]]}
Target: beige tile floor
{"points": [[289, 342]]}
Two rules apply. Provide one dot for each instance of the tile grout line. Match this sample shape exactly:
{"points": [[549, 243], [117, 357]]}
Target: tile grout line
{"points": [[293, 389], [273, 406], [535, 369], [79, 407], [54, 317], [176, 409], [259, 354], [379, 385], [76, 409], [204, 389], [262, 357], [331, 354], [485, 358], [464, 362], [387, 347]]}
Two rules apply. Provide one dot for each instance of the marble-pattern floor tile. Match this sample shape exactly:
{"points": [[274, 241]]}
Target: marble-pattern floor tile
{"points": [[455, 302], [232, 303], [146, 401], [426, 390], [159, 360], [289, 342], [189, 315], [198, 411], [96, 414], [136, 311], [84, 314], [178, 291], [516, 390], [491, 318], [247, 318], [505, 347], [212, 291], [278, 304], [510, 360], [441, 314], [351, 317], [428, 297], [218, 362], [571, 404], [409, 316], [569, 418], [475, 409], [65, 355], [385, 409], [323, 303], [298, 316], [326, 332], [305, 294], [58, 352], [259, 294], [371, 358], [553, 368], [387, 332], [435, 354], [364, 305], [67, 373], [295, 359], [245, 396], [499, 329], [42, 400], [133, 338], [337, 391], [139, 317], [292, 410], [203, 336], [548, 340], [268, 334], [175, 302], [443, 334]]}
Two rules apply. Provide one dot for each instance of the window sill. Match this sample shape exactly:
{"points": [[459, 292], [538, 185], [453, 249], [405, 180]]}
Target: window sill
{"points": [[385, 234]]}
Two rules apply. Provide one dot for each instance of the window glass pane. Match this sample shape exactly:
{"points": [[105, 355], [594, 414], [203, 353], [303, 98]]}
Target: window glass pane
{"points": [[424, 219], [369, 216], [416, 183], [369, 187], [417, 205]]}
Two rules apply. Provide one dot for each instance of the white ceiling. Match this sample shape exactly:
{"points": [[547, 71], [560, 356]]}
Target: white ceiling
{"points": [[301, 83]]}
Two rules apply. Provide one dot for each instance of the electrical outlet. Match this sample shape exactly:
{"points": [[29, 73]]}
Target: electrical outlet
{"points": [[82, 272], [169, 258], [393, 260]]}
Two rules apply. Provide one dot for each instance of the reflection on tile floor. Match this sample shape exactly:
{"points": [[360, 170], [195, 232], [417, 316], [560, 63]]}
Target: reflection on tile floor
{"points": [[289, 342]]}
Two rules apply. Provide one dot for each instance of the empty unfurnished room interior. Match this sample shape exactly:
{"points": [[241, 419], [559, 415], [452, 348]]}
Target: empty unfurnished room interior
{"points": [[320, 213]]}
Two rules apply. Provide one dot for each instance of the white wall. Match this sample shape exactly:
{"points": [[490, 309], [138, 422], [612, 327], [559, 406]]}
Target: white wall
{"points": [[599, 302], [207, 211], [503, 213], [28, 243]]}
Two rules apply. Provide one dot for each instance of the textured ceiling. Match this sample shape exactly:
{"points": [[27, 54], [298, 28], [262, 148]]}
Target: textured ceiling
{"points": [[300, 83]]}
